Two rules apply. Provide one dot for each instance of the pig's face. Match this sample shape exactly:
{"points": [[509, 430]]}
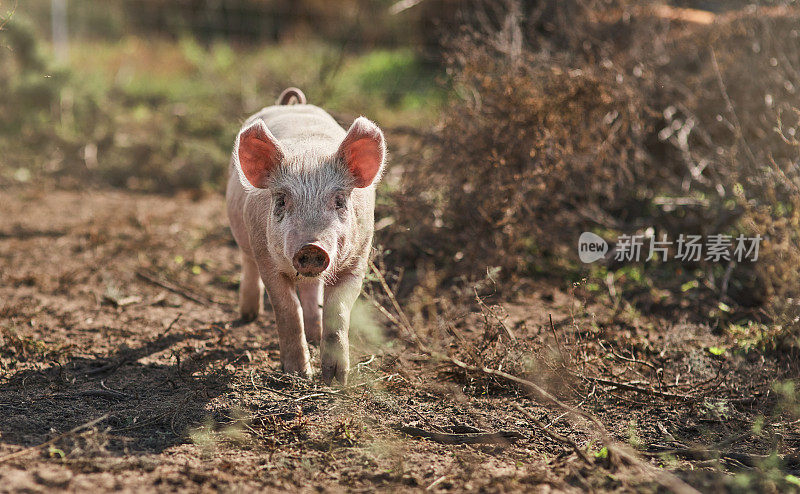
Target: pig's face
{"points": [[308, 199], [310, 218]]}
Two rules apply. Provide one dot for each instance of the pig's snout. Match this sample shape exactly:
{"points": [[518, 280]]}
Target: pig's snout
{"points": [[310, 260]]}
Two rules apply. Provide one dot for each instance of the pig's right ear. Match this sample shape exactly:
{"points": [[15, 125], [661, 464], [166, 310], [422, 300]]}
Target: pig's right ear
{"points": [[257, 155], [363, 152]]}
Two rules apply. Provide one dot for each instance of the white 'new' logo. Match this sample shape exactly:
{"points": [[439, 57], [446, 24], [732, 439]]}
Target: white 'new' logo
{"points": [[591, 247]]}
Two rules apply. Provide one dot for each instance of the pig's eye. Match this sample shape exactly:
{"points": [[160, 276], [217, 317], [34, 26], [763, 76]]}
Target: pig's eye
{"points": [[340, 202], [280, 205]]}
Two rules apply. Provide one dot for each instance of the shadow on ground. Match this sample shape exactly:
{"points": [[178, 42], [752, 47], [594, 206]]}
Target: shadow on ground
{"points": [[147, 407]]}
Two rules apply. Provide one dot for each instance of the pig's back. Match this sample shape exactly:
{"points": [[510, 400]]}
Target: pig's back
{"points": [[299, 127]]}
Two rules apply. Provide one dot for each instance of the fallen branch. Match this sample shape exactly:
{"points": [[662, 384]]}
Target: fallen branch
{"points": [[122, 301], [746, 459], [175, 288], [531, 386], [501, 437]]}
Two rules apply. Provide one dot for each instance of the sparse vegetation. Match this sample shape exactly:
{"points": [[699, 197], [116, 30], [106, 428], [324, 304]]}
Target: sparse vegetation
{"points": [[154, 115]]}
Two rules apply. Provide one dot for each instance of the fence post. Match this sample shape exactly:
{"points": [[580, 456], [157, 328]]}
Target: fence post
{"points": [[60, 41]]}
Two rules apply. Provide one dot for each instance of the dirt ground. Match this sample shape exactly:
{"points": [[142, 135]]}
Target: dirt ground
{"points": [[123, 366]]}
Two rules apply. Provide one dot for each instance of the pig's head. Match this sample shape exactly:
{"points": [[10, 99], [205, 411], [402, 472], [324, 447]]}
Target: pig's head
{"points": [[308, 196]]}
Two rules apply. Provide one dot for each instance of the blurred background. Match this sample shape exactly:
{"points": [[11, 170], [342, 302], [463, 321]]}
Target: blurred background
{"points": [[170, 82], [513, 127]]}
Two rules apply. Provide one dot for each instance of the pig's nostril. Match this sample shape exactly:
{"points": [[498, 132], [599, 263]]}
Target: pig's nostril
{"points": [[310, 260]]}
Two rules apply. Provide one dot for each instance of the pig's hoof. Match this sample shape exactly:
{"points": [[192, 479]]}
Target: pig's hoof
{"points": [[305, 374], [249, 316], [337, 370], [314, 333], [297, 370]]}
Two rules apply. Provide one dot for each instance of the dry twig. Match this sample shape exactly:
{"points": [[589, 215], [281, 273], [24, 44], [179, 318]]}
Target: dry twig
{"points": [[485, 309], [555, 336], [553, 435], [175, 288], [636, 389]]}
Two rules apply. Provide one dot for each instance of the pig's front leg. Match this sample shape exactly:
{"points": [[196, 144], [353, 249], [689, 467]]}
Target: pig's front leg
{"points": [[311, 300], [289, 318], [335, 347]]}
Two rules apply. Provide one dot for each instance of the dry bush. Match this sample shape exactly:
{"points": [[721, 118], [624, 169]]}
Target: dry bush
{"points": [[725, 94], [538, 146], [518, 152], [634, 118], [728, 103]]}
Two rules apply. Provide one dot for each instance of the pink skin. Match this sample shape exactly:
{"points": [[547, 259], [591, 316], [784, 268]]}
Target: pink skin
{"points": [[301, 207], [311, 302]]}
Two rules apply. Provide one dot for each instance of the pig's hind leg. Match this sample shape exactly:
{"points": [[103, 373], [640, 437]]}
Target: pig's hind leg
{"points": [[251, 290], [311, 299]]}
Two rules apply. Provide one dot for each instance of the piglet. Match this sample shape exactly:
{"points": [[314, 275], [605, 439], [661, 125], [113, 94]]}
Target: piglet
{"points": [[301, 201]]}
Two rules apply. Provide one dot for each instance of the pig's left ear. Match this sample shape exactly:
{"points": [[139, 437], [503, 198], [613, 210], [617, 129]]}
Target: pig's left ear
{"points": [[363, 152], [257, 154]]}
